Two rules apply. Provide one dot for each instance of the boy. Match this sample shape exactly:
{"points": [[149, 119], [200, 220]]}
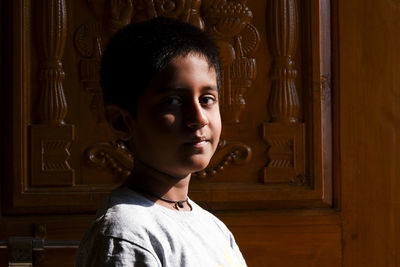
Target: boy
{"points": [[161, 81]]}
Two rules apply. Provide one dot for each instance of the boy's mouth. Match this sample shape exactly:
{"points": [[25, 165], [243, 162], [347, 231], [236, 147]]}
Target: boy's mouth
{"points": [[197, 142]]}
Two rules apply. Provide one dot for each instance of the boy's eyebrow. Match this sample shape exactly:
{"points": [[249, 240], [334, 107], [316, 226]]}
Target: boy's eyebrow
{"points": [[211, 87], [178, 87]]}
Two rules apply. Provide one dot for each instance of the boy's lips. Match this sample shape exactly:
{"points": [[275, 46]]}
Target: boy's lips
{"points": [[197, 142]]}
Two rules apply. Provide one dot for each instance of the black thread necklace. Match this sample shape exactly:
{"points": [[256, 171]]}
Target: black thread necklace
{"points": [[177, 204]]}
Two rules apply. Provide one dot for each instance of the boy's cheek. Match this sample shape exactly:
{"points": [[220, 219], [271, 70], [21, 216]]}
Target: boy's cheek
{"points": [[168, 120]]}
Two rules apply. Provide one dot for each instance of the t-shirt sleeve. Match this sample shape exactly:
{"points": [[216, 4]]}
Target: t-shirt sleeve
{"points": [[236, 250], [110, 252], [231, 241]]}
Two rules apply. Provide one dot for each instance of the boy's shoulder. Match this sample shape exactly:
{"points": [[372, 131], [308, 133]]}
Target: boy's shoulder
{"points": [[125, 212]]}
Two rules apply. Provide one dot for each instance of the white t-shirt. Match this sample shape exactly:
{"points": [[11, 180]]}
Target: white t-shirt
{"points": [[131, 230]]}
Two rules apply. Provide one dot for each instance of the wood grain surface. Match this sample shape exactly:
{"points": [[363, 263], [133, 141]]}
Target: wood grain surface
{"points": [[341, 208]]}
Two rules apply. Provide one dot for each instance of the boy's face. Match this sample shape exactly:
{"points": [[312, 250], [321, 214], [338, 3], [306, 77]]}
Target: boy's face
{"points": [[178, 124]]}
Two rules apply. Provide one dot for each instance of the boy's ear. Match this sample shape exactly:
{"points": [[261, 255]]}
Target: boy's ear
{"points": [[120, 121]]}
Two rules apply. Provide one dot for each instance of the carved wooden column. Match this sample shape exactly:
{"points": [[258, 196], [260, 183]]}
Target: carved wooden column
{"points": [[283, 103], [285, 133], [53, 105], [51, 137]]}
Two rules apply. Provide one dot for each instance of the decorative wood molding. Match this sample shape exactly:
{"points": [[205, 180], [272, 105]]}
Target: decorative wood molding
{"points": [[300, 180], [228, 153], [53, 105], [168, 8], [113, 156], [191, 13], [117, 158], [285, 134], [286, 155], [229, 23], [50, 146], [51, 139], [283, 104], [120, 14], [33, 189], [88, 42]]}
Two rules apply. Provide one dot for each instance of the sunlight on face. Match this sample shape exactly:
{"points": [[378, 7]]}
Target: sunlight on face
{"points": [[178, 123]]}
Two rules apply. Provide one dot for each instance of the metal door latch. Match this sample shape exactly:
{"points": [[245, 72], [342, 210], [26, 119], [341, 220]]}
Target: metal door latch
{"points": [[21, 248]]}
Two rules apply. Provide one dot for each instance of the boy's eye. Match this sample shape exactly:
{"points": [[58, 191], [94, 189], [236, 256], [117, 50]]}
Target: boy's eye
{"points": [[208, 100], [173, 100]]}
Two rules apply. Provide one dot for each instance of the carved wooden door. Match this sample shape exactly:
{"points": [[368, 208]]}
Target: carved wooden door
{"points": [[273, 166]]}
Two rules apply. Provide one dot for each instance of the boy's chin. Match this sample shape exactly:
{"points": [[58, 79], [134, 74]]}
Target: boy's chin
{"points": [[194, 166]]}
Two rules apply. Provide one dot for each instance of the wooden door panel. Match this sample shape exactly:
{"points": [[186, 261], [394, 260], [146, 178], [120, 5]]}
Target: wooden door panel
{"points": [[61, 159], [266, 238], [288, 239], [275, 103]]}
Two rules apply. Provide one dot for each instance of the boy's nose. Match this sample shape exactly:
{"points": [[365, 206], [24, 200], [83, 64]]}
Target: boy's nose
{"points": [[196, 117]]}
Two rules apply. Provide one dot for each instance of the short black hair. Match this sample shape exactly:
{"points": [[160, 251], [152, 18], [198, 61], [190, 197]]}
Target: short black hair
{"points": [[137, 52]]}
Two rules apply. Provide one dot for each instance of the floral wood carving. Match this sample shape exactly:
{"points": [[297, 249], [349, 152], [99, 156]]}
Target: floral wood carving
{"points": [[168, 8], [284, 105], [229, 23], [192, 15], [90, 39], [114, 156], [228, 153], [186, 10]]}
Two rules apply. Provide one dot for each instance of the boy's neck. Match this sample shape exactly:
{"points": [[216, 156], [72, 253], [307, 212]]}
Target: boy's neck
{"points": [[146, 179]]}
